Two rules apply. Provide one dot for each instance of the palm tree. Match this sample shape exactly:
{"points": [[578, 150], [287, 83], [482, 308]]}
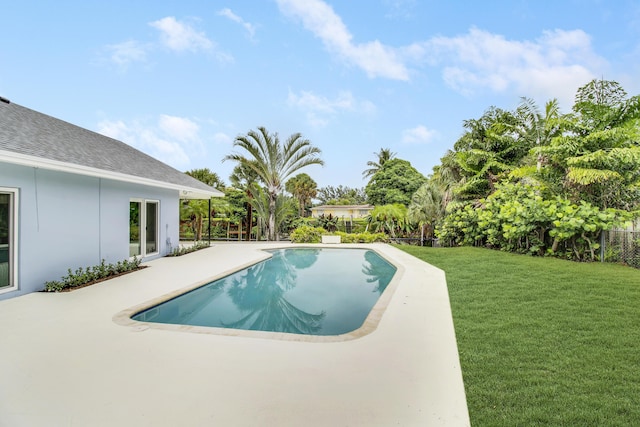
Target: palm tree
{"points": [[387, 218], [243, 177], [285, 206], [274, 162], [427, 206], [538, 127], [384, 155], [303, 188]]}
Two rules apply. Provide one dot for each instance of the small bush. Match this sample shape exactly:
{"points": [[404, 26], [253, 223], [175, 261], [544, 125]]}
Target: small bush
{"points": [[364, 237], [96, 273], [188, 249], [307, 234]]}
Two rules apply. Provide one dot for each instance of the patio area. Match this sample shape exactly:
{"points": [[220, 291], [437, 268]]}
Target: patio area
{"points": [[70, 359]]}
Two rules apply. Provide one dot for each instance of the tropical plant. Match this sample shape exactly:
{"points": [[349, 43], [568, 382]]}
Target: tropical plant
{"points": [[427, 207], [90, 275], [519, 218], [285, 207], [274, 162], [303, 188], [491, 147], [208, 177], [194, 212], [383, 156], [341, 195], [243, 177], [307, 234], [389, 219], [394, 183], [596, 158]]}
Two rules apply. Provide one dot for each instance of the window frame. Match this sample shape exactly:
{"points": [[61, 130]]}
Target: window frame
{"points": [[143, 229], [14, 198]]}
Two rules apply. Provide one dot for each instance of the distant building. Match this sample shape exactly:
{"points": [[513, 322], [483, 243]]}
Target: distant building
{"points": [[342, 211], [70, 198]]}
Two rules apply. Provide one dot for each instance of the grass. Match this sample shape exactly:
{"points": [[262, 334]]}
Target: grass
{"points": [[544, 341]]}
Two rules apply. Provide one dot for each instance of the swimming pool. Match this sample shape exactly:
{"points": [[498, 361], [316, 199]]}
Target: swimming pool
{"points": [[309, 291]]}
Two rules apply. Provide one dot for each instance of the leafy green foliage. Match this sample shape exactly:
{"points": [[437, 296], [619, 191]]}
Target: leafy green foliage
{"points": [[208, 177], [93, 274], [518, 218], [183, 250], [395, 182], [390, 219], [565, 177], [273, 162], [307, 234], [383, 156], [341, 195], [364, 237], [303, 188]]}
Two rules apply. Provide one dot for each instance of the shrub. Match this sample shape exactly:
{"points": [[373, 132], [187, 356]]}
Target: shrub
{"points": [[364, 237], [96, 273], [188, 249], [307, 234]]}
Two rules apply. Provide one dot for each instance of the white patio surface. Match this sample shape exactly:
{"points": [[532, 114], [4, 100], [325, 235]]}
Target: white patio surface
{"points": [[69, 359]]}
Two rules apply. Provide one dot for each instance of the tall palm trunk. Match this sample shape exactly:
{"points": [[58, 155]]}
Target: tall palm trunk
{"points": [[272, 217]]}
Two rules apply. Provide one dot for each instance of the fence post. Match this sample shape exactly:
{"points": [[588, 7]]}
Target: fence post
{"points": [[602, 243]]}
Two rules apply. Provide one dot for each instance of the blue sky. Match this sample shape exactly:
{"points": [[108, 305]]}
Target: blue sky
{"points": [[180, 80]]}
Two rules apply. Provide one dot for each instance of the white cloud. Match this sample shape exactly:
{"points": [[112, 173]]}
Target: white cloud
{"points": [[418, 135], [179, 128], [251, 30], [376, 59], [554, 65], [180, 36], [222, 138], [171, 141], [320, 108], [123, 54]]}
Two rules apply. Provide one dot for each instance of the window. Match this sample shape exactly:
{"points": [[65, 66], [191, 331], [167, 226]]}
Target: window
{"points": [[143, 227], [8, 227]]}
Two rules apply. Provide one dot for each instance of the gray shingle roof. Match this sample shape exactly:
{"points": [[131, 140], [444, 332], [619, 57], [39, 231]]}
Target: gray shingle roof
{"points": [[28, 132]]}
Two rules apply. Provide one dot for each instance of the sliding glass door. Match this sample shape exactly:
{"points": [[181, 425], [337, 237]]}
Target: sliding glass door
{"points": [[7, 238], [143, 227]]}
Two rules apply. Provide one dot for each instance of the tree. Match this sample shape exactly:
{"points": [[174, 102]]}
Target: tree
{"points": [[491, 147], [285, 206], [388, 218], [341, 195], [427, 207], [597, 156], [303, 188], [383, 156], [243, 177], [210, 178], [196, 211], [395, 182], [274, 162]]}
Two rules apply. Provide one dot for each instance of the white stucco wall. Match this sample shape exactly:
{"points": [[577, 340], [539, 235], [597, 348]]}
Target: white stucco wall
{"points": [[70, 221]]}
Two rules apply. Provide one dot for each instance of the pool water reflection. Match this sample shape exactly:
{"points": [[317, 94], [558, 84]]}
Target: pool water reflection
{"points": [[306, 291]]}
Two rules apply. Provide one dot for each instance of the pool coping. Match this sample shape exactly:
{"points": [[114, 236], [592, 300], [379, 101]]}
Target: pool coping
{"points": [[124, 318]]}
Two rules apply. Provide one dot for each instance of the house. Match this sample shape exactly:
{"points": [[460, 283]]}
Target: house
{"points": [[346, 212], [70, 198]]}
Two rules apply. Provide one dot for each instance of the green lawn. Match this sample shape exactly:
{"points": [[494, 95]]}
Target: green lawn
{"points": [[544, 341]]}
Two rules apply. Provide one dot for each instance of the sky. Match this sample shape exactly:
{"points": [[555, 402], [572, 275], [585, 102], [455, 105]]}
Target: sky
{"points": [[180, 80]]}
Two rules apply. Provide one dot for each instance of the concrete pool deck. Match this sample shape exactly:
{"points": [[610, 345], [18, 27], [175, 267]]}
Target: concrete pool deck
{"points": [[67, 360]]}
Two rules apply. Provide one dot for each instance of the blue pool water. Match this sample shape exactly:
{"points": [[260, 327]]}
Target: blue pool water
{"points": [[302, 290]]}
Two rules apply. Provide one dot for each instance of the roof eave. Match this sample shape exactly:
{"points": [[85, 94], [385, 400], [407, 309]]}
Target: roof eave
{"points": [[185, 192]]}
